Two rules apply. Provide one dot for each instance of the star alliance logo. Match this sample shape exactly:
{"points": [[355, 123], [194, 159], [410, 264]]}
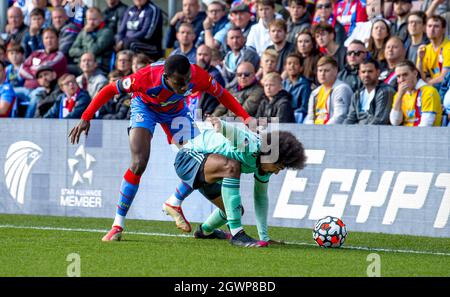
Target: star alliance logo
{"points": [[20, 159], [81, 156]]}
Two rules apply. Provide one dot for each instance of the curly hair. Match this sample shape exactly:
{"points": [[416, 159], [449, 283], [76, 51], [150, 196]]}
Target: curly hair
{"points": [[291, 152]]}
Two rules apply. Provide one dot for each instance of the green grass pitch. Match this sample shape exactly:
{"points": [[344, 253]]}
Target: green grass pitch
{"points": [[154, 248]]}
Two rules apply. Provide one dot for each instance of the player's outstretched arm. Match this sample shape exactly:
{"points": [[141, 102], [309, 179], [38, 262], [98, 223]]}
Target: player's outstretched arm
{"points": [[105, 94], [76, 131]]}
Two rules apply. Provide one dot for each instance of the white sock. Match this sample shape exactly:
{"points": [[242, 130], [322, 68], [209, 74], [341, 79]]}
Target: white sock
{"points": [[119, 221], [174, 201], [235, 231]]}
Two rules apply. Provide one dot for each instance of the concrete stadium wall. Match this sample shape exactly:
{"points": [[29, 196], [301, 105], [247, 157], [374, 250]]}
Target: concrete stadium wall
{"points": [[377, 179]]}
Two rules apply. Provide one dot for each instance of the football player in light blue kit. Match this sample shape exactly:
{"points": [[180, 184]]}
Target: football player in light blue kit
{"points": [[213, 162]]}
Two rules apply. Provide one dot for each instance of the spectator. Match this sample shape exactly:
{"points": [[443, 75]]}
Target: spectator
{"points": [[124, 62], [445, 97], [324, 9], [438, 7], [67, 31], [299, 19], [362, 30], [328, 103], [394, 54], [7, 95], [32, 41], [15, 28], [276, 102], [297, 85], [278, 33], [216, 19], [204, 101], [306, 47], [139, 61], [49, 93], [415, 103], [118, 108], [48, 56], [400, 27], [434, 58], [92, 78], [75, 10], [268, 64], [239, 53], [72, 103], [190, 14], [15, 55], [3, 55], [349, 13], [141, 29], [113, 14], [356, 54], [325, 35], [259, 37], [94, 38], [241, 18], [379, 35], [371, 104], [185, 38], [416, 21], [248, 92], [41, 4]]}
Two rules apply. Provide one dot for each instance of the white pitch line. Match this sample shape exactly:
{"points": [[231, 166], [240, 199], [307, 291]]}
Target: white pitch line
{"points": [[187, 235]]}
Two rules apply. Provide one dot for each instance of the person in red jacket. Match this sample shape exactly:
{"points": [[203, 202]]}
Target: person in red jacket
{"points": [[159, 92], [49, 56], [350, 12]]}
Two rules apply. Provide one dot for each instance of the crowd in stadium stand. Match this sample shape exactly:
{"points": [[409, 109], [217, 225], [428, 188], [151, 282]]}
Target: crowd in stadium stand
{"points": [[316, 62]]}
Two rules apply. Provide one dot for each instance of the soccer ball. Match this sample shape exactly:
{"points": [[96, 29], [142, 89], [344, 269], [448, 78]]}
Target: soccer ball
{"points": [[330, 232]]}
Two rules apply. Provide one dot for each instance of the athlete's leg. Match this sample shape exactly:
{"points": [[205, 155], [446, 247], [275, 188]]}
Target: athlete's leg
{"points": [[219, 167], [179, 128], [140, 152], [142, 125]]}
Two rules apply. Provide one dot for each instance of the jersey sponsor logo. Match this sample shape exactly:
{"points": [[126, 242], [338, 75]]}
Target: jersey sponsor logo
{"points": [[395, 193], [20, 159]]}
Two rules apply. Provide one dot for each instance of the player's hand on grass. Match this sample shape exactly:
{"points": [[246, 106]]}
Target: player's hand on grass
{"points": [[215, 122], [78, 129]]}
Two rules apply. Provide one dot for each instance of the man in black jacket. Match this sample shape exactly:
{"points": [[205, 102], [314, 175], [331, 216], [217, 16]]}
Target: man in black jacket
{"points": [[372, 104], [356, 54], [46, 78], [276, 102]]}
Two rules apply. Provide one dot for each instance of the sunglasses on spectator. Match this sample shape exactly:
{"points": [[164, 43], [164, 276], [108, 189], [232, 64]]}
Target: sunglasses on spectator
{"points": [[243, 74], [320, 6], [356, 53]]}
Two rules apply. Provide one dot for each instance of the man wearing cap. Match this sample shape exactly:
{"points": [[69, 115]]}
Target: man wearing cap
{"points": [[42, 100], [400, 27], [240, 17]]}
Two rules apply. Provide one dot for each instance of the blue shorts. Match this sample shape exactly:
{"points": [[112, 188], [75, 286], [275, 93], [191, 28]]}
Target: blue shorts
{"points": [[189, 166], [179, 127]]}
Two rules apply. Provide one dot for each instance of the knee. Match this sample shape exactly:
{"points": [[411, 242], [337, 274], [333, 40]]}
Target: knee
{"points": [[138, 165], [232, 168]]}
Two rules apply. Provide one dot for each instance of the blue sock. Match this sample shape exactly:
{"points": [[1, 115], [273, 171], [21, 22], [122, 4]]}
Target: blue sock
{"points": [[181, 192], [128, 189]]}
